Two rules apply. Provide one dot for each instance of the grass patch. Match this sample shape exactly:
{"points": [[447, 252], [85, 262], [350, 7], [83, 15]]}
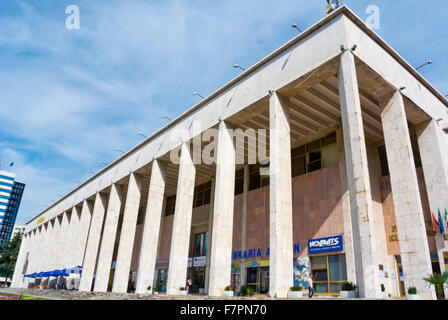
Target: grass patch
{"points": [[15, 296]]}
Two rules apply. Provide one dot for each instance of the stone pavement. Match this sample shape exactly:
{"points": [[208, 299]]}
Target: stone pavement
{"points": [[77, 295]]}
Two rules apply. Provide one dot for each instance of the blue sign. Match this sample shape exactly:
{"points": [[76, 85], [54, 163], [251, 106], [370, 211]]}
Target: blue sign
{"points": [[255, 253], [325, 244]]}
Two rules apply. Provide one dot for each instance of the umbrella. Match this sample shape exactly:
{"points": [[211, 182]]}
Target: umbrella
{"points": [[61, 272], [77, 269], [53, 273]]}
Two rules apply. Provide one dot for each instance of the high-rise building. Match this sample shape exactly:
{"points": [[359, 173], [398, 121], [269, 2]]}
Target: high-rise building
{"points": [[10, 197]]}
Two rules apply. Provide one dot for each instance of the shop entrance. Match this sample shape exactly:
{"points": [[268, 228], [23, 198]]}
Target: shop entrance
{"points": [[162, 275], [198, 280], [258, 279], [400, 276]]}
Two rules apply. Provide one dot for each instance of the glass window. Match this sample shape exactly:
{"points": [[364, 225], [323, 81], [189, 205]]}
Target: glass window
{"points": [[239, 181], [200, 244], [254, 177], [337, 267], [170, 205], [308, 158], [329, 273], [202, 194]]}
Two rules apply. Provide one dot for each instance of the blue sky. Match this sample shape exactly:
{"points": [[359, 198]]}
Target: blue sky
{"points": [[70, 98]]}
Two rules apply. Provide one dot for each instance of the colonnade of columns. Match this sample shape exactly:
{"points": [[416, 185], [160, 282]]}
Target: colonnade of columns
{"points": [[95, 255]]}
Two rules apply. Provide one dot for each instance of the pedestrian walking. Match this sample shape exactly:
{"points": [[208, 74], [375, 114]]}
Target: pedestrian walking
{"points": [[310, 287]]}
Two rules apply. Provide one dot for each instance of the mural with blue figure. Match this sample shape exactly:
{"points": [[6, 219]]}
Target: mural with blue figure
{"points": [[301, 271]]}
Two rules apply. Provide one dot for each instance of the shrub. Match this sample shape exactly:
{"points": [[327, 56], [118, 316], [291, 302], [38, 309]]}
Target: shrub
{"points": [[383, 288], [243, 290], [438, 280], [148, 288], [228, 288], [348, 286], [246, 291], [412, 290], [296, 288]]}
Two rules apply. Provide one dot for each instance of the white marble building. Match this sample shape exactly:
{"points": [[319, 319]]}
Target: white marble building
{"points": [[317, 83]]}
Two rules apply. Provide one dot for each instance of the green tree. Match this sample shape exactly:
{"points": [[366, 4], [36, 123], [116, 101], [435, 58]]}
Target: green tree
{"points": [[8, 256], [438, 280]]}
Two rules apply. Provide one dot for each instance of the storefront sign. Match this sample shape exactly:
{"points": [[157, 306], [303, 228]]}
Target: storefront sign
{"points": [[255, 253], [325, 244], [190, 262], [199, 261]]}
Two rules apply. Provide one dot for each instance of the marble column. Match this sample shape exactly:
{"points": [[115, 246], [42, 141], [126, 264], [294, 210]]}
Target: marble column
{"points": [[414, 249], [93, 242], [127, 235], [180, 240], [55, 248], [151, 227], [281, 271], [222, 234], [83, 233], [210, 232], [64, 255], [72, 236], [433, 146], [346, 212], [108, 240], [17, 279], [358, 179]]}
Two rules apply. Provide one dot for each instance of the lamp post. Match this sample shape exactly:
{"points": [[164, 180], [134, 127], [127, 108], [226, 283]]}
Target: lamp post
{"points": [[426, 63], [236, 66], [197, 94], [296, 27]]}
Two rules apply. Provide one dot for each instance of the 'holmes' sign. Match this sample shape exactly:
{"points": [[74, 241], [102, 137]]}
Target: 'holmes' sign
{"points": [[325, 244]]}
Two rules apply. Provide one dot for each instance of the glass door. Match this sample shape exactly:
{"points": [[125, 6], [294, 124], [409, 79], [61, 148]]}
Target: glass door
{"points": [[253, 279], [264, 280]]}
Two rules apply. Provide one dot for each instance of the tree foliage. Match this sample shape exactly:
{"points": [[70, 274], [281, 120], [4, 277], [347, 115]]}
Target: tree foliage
{"points": [[8, 256]]}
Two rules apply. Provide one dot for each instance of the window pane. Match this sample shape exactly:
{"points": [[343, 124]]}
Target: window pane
{"points": [[335, 286], [338, 270], [207, 194], [315, 155], [319, 263], [321, 287], [298, 166], [239, 186], [313, 146], [320, 275], [314, 166], [383, 161]]}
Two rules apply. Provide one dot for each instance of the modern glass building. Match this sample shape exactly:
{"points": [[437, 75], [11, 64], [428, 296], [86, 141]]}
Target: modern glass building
{"points": [[10, 197]]}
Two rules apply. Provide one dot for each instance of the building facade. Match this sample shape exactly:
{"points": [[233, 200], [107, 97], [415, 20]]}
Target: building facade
{"points": [[347, 171], [10, 197], [17, 229]]}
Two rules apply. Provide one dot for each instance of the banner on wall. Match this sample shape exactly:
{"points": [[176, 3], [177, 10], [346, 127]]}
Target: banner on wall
{"points": [[199, 261], [327, 244]]}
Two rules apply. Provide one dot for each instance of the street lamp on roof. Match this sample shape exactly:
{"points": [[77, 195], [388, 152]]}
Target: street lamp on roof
{"points": [[197, 94], [426, 63], [296, 27], [236, 66]]}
